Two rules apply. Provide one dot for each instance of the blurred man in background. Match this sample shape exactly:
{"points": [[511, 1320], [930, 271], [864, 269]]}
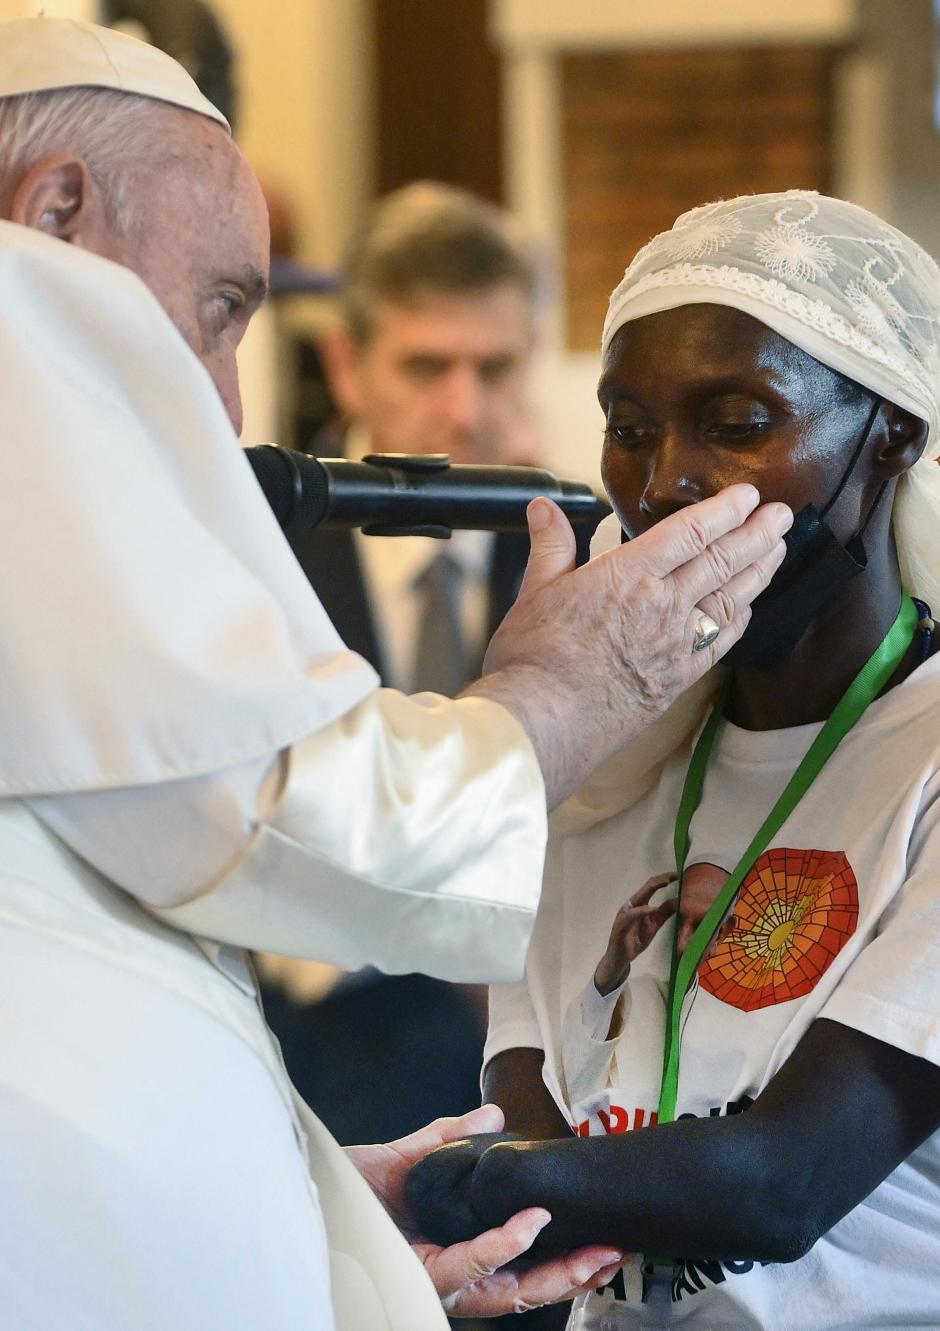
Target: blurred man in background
{"points": [[432, 355]]}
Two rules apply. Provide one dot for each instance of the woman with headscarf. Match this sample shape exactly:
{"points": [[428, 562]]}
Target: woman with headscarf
{"points": [[766, 1008]]}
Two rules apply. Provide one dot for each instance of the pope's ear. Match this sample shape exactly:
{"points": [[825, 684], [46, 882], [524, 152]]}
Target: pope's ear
{"points": [[59, 195], [904, 440]]}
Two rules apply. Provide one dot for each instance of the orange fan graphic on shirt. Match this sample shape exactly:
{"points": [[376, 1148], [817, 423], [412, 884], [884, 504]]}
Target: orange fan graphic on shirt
{"points": [[795, 912]]}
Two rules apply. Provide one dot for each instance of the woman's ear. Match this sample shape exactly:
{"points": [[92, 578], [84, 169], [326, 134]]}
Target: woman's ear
{"points": [[903, 441], [59, 195]]}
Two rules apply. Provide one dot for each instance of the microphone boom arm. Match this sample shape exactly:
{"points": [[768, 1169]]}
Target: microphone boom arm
{"points": [[401, 494]]}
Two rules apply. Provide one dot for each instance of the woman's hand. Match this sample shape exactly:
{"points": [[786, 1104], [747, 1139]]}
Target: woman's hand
{"points": [[437, 1189], [386, 1167], [635, 926], [471, 1276]]}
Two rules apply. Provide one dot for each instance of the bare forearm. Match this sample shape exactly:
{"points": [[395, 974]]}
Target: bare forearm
{"points": [[697, 1189], [513, 1080], [763, 1184], [839, 1116]]}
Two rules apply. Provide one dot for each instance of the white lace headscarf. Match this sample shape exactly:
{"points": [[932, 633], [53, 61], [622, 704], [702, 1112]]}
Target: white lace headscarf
{"points": [[849, 289], [833, 279]]}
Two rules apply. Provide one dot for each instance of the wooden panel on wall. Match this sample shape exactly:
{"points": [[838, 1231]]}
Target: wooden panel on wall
{"points": [[438, 95], [649, 134]]}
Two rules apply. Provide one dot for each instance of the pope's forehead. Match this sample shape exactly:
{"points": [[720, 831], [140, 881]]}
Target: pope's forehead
{"points": [[204, 146], [214, 167], [205, 211]]}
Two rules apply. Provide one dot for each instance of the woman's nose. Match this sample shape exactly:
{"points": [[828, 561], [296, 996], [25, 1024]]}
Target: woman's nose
{"points": [[671, 482]]}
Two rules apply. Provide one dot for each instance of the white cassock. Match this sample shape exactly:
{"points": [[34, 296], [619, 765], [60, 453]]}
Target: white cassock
{"points": [[191, 763]]}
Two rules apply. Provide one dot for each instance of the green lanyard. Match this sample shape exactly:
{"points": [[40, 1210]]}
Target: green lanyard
{"points": [[866, 686]]}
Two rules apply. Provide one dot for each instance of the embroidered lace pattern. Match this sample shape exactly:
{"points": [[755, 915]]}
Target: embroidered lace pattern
{"points": [[815, 314]]}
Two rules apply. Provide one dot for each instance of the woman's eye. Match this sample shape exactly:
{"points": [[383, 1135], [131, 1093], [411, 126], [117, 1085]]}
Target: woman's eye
{"points": [[627, 434], [743, 430]]}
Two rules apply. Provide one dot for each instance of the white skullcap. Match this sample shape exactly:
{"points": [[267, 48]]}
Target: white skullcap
{"points": [[42, 54], [836, 281]]}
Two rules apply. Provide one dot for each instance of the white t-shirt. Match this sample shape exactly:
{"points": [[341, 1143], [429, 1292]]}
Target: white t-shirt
{"points": [[839, 918]]}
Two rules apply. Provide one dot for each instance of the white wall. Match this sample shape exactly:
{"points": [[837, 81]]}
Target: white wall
{"points": [[553, 24], [305, 74]]}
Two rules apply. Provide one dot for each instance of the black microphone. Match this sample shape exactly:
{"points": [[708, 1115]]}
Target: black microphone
{"points": [[400, 494]]}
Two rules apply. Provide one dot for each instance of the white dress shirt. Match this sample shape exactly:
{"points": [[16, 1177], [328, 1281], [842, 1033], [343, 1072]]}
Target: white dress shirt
{"points": [[391, 567]]}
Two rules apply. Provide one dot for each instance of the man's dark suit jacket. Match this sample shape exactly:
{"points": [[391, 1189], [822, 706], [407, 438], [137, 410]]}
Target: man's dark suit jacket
{"points": [[332, 564], [384, 1054]]}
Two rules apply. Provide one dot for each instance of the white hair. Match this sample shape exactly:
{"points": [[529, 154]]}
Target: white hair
{"points": [[118, 135]]}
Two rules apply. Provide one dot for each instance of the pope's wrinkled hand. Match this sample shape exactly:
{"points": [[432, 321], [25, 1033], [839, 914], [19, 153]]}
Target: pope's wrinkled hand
{"points": [[473, 1278], [588, 657]]}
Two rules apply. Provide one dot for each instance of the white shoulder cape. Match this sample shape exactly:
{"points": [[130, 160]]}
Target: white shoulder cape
{"points": [[145, 581]]}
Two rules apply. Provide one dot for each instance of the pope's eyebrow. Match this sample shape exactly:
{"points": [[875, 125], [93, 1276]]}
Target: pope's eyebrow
{"points": [[254, 284]]}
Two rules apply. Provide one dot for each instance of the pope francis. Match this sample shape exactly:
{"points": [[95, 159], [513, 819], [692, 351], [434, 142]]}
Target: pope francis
{"points": [[191, 763]]}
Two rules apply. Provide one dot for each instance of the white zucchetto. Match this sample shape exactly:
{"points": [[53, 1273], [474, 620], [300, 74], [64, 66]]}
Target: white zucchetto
{"points": [[42, 54]]}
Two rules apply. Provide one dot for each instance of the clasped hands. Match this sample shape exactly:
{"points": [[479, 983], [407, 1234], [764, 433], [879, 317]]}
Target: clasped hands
{"points": [[478, 1270]]}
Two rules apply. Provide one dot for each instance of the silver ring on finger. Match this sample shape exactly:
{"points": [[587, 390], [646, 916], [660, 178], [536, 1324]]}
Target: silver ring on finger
{"points": [[704, 631]]}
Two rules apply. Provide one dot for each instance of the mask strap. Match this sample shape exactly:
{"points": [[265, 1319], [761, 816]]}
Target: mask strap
{"points": [[863, 440]]}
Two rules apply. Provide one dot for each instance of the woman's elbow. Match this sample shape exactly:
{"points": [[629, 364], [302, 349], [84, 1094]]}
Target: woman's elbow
{"points": [[782, 1221], [785, 1239]]}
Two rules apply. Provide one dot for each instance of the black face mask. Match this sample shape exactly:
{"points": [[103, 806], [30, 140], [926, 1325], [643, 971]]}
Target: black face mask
{"points": [[815, 569]]}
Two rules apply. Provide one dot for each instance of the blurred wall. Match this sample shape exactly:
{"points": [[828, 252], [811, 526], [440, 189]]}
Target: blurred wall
{"points": [[905, 34], [306, 122], [438, 95], [534, 35], [309, 112], [305, 72], [305, 75]]}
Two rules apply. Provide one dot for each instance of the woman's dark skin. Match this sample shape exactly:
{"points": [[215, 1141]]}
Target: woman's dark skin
{"points": [[697, 395], [694, 398]]}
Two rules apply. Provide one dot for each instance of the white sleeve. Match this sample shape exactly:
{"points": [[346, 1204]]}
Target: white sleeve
{"points": [[596, 1010], [890, 989], [586, 1052], [408, 834]]}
